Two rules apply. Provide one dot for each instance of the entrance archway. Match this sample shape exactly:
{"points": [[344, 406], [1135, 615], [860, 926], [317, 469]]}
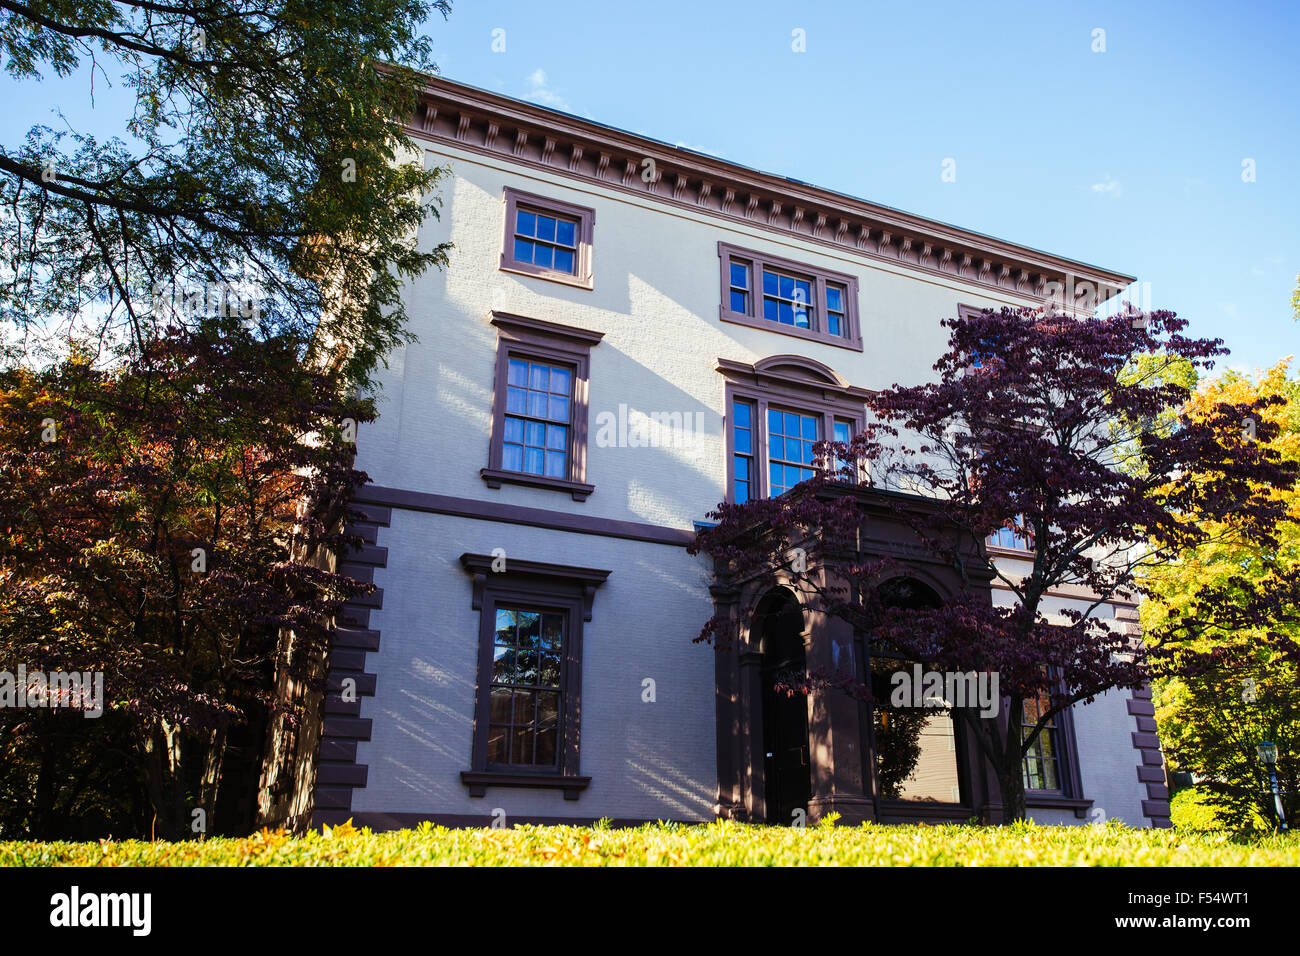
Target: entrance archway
{"points": [[787, 774]]}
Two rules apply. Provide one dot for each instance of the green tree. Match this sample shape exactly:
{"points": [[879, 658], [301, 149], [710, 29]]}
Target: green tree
{"points": [[1229, 682], [264, 170]]}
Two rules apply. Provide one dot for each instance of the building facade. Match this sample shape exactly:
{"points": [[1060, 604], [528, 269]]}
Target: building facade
{"points": [[627, 334]]}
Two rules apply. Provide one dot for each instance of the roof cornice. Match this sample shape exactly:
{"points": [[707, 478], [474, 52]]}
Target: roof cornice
{"points": [[526, 134]]}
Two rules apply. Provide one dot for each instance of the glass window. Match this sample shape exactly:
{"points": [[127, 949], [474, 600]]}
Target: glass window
{"points": [[1014, 534], [526, 693], [742, 438], [835, 298], [790, 437], [787, 299], [1042, 760], [916, 747], [740, 281], [804, 301], [539, 401], [546, 240]]}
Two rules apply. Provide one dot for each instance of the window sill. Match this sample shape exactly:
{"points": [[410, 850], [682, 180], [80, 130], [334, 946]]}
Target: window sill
{"points": [[1054, 801], [495, 478], [767, 325], [997, 550], [550, 275], [479, 780]]}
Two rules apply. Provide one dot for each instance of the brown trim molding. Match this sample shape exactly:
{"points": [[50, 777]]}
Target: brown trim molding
{"points": [[531, 136], [337, 772], [586, 222], [526, 338], [501, 580], [755, 261], [517, 514]]}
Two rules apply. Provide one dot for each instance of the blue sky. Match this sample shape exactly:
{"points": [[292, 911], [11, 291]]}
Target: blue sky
{"points": [[1129, 158]]}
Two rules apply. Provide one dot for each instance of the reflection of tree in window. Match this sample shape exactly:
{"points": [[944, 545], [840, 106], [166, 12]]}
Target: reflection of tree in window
{"points": [[916, 754], [1042, 763], [916, 748], [526, 687]]}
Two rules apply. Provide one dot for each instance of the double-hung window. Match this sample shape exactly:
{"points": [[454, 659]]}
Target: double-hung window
{"points": [[548, 239], [527, 713], [777, 295], [1042, 761], [539, 413]]}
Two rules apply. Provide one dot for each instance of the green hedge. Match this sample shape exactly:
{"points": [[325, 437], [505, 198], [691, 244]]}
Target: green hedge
{"points": [[716, 844]]}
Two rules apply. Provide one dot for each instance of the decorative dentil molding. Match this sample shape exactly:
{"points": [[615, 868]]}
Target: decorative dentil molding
{"points": [[533, 136]]}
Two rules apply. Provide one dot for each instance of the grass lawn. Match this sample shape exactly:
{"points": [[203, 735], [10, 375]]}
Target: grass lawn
{"points": [[716, 844]]}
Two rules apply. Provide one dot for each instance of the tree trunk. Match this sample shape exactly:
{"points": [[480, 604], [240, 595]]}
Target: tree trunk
{"points": [[1011, 782], [163, 779], [211, 779]]}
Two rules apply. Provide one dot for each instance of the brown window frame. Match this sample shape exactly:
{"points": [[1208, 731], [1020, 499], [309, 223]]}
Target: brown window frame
{"points": [[546, 587], [525, 338], [818, 276], [1069, 793], [584, 219], [775, 381]]}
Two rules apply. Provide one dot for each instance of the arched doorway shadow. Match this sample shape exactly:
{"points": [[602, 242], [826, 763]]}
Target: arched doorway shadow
{"points": [[778, 628]]}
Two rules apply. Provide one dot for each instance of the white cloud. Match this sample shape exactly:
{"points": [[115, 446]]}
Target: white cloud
{"points": [[540, 92], [1108, 187]]}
